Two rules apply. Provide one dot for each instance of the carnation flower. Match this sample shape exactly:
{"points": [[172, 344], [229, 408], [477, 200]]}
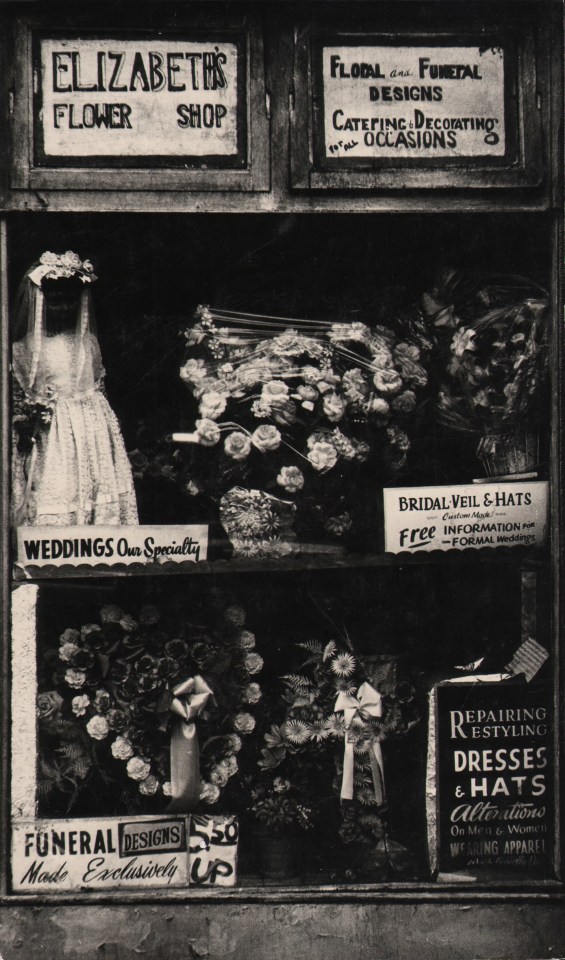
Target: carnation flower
{"points": [[122, 748], [312, 375], [404, 402], [69, 636], [98, 728], [235, 615], [79, 705], [387, 381], [252, 693], [149, 615], [209, 793], [334, 407], [323, 457], [260, 409], [237, 445], [102, 701], [219, 774], [380, 407], [168, 788], [355, 386], [67, 651], [212, 405], [253, 662], [118, 720], [266, 438], [398, 438], [193, 371], [137, 768], [343, 665], [234, 742], [244, 723], [208, 432], [128, 624], [75, 678], [111, 613], [149, 786], [291, 479], [409, 351], [246, 640]]}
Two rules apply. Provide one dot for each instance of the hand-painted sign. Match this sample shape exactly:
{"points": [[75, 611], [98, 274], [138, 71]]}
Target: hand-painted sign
{"points": [[93, 545], [138, 98], [413, 102], [55, 856], [462, 517], [491, 764]]}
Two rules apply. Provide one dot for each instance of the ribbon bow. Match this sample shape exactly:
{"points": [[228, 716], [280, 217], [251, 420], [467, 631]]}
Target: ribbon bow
{"points": [[368, 703], [189, 699]]}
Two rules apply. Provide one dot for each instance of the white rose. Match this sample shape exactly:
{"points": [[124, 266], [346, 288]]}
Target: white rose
{"points": [[237, 445], [149, 786], [266, 438], [323, 457]]}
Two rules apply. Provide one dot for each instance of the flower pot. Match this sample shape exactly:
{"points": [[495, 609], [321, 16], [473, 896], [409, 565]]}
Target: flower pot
{"points": [[509, 453], [277, 856], [258, 524]]}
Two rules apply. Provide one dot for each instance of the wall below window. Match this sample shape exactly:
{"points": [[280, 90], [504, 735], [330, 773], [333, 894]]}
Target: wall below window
{"points": [[385, 931]]}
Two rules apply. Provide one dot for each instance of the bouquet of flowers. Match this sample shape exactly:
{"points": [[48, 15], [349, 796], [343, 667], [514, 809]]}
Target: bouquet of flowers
{"points": [[492, 340], [335, 710], [289, 411], [106, 704], [280, 804]]}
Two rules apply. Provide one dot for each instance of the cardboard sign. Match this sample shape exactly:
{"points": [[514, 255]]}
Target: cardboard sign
{"points": [[491, 778], [120, 97], [465, 517], [47, 546], [56, 856], [413, 102]]}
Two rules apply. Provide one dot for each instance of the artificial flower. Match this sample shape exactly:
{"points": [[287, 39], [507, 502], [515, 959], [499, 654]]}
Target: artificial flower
{"points": [[138, 768], [323, 457], [405, 402], [295, 732], [75, 678], [251, 693], [246, 640], [49, 704], [237, 445], [274, 391], [244, 723], [253, 662], [291, 479], [387, 381], [122, 748], [67, 651], [208, 432], [212, 405], [79, 705], [235, 615], [334, 407], [209, 793], [266, 438], [343, 665], [149, 786], [98, 728]]}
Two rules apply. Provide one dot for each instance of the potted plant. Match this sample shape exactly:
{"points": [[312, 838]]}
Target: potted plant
{"points": [[280, 811]]}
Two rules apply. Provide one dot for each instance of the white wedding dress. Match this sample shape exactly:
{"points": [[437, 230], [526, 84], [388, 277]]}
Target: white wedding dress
{"points": [[78, 471]]}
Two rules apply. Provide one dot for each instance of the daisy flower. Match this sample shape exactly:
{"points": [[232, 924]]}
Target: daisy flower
{"points": [[335, 725], [318, 731], [296, 732], [343, 665]]}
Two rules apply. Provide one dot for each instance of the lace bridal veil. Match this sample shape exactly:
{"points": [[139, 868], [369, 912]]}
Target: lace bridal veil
{"points": [[70, 465]]}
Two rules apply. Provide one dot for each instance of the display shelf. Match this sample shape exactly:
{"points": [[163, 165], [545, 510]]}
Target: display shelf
{"points": [[514, 556]]}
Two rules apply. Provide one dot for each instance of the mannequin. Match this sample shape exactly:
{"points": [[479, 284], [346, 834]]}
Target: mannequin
{"points": [[74, 469]]}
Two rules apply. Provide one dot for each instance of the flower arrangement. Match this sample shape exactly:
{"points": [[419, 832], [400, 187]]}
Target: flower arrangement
{"points": [[280, 805], [335, 712], [31, 417], [104, 706], [293, 409], [62, 266], [492, 348]]}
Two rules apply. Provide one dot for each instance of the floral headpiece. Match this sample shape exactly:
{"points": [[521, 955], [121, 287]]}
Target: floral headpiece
{"points": [[57, 266]]}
